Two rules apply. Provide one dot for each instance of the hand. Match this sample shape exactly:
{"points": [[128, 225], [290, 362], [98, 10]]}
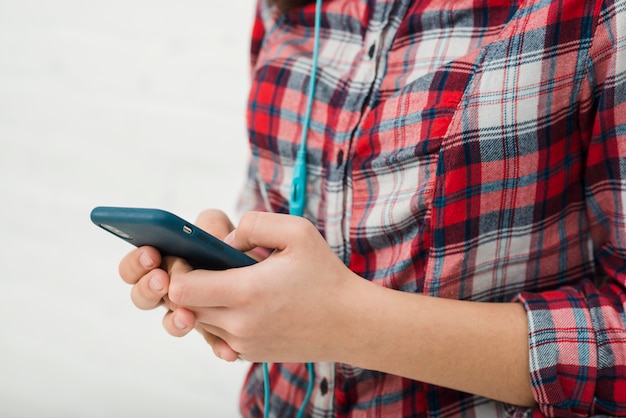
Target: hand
{"points": [[147, 272], [289, 307]]}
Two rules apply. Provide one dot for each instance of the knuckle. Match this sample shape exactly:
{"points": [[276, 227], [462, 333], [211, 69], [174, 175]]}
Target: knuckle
{"points": [[303, 228], [247, 221], [137, 263], [246, 227], [215, 222], [245, 297], [209, 215]]}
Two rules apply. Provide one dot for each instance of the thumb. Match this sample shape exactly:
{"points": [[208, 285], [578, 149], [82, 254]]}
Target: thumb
{"points": [[269, 230]]}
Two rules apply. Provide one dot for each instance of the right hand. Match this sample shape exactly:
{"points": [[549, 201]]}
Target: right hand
{"points": [[143, 269]]}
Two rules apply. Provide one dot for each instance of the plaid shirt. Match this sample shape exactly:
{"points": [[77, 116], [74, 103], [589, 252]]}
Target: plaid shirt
{"points": [[474, 151]]}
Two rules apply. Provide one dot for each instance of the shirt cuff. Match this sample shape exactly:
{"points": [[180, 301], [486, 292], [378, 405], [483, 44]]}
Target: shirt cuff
{"points": [[563, 354]]}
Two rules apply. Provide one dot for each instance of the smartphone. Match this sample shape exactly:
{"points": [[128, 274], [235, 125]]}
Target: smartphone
{"points": [[171, 235]]}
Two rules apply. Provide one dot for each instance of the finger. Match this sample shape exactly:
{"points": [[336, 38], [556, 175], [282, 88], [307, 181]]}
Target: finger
{"points": [[220, 348], [138, 262], [205, 288], [179, 322], [176, 265], [149, 291], [215, 222], [202, 288], [223, 351], [269, 230]]}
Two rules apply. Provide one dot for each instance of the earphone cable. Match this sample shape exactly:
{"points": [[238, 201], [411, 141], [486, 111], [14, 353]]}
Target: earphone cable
{"points": [[298, 199]]}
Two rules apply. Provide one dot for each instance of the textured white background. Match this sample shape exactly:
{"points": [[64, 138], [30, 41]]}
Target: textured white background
{"points": [[117, 102]]}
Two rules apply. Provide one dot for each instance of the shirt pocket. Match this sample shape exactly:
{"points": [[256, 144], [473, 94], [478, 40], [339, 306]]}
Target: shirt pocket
{"points": [[393, 177]]}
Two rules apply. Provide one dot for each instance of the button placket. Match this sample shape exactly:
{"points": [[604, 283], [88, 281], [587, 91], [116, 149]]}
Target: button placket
{"points": [[323, 398]]}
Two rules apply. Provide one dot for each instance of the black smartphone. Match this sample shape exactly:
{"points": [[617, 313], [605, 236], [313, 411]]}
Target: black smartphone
{"points": [[171, 235]]}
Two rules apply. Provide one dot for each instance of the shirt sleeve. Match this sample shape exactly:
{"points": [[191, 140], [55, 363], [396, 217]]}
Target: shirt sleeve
{"points": [[250, 197], [577, 335], [257, 34]]}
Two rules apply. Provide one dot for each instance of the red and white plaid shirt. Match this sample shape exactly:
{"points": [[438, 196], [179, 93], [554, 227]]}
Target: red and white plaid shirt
{"points": [[465, 149]]}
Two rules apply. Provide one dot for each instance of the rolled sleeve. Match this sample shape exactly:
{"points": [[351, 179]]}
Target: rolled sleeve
{"points": [[577, 350]]}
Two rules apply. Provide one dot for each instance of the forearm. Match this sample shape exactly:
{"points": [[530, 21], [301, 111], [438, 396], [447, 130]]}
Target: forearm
{"points": [[479, 348]]}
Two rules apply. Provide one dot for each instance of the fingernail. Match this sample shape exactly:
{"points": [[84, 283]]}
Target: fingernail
{"points": [[155, 284], [178, 324], [146, 260]]}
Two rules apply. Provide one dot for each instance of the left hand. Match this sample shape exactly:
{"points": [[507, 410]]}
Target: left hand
{"points": [[290, 307]]}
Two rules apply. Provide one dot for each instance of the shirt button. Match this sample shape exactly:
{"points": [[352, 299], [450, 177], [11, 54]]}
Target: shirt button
{"points": [[324, 386], [371, 51], [340, 158]]}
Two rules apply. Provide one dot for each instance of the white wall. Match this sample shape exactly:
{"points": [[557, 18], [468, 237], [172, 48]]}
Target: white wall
{"points": [[117, 102]]}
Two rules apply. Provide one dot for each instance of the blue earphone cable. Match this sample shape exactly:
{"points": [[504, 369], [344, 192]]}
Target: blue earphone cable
{"points": [[267, 392], [298, 183], [297, 200]]}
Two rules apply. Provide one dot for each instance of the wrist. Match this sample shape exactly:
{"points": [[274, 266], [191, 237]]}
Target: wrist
{"points": [[358, 332]]}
